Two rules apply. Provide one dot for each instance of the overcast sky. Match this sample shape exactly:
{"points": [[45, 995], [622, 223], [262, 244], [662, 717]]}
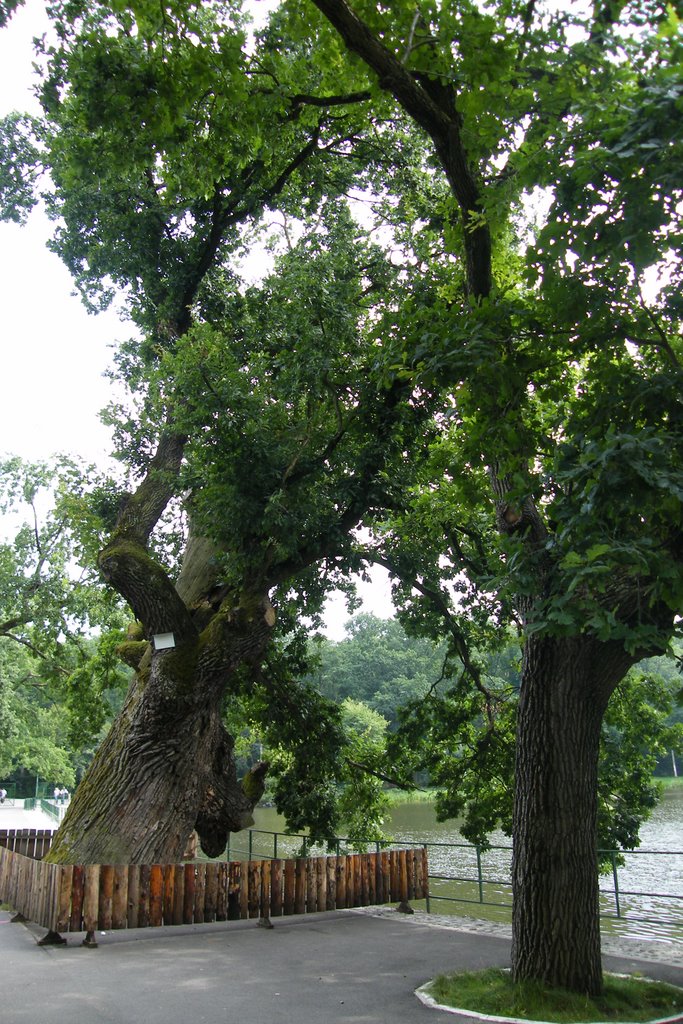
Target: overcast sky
{"points": [[54, 353]]}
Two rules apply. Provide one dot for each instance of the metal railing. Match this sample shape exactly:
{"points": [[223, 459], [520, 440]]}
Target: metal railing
{"points": [[461, 873], [51, 808]]}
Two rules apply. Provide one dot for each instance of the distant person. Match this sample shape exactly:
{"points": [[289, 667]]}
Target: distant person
{"points": [[3, 795], [56, 795]]}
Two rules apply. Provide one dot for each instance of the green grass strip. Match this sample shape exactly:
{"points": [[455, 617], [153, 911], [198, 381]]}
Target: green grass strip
{"points": [[493, 992]]}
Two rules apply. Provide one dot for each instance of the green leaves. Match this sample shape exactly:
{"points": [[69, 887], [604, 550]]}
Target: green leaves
{"points": [[162, 136], [7, 10], [20, 167], [58, 685]]}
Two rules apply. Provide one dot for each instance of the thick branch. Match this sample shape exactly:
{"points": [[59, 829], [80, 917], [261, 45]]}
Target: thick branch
{"points": [[359, 766], [147, 589], [232, 210], [439, 120], [142, 510], [34, 650], [8, 624], [521, 517], [321, 546]]}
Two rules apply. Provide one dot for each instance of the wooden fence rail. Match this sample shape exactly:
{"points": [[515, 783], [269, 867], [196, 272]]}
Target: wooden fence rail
{"points": [[103, 897], [32, 842]]}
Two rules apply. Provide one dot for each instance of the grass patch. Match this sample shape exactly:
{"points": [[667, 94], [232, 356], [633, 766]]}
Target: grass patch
{"points": [[493, 992], [669, 782], [412, 796]]}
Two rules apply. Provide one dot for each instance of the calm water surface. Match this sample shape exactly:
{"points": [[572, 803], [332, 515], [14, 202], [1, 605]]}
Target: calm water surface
{"points": [[646, 882]]}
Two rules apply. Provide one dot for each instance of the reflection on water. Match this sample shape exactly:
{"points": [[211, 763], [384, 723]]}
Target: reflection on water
{"points": [[646, 882]]}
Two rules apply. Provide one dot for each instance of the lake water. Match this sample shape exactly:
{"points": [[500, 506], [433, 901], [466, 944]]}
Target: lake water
{"points": [[650, 883]]}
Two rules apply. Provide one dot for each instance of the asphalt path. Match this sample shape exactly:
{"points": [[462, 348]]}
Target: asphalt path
{"points": [[334, 968], [17, 817]]}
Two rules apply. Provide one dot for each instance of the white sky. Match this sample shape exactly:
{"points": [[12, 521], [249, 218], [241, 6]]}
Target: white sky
{"points": [[54, 353]]}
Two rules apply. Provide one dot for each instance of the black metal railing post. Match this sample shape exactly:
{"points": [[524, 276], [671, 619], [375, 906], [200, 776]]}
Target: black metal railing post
{"points": [[479, 877], [615, 876]]}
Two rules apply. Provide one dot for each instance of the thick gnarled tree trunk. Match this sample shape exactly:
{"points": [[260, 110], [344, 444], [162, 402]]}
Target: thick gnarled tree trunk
{"points": [[566, 683], [166, 766]]}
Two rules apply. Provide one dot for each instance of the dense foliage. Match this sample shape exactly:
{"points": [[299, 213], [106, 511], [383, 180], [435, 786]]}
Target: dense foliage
{"points": [[486, 376], [60, 676]]}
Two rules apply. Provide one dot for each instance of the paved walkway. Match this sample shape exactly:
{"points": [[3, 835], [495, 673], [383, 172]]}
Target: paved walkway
{"points": [[344, 967], [17, 817]]}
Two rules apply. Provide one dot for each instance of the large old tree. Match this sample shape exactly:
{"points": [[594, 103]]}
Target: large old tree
{"points": [[566, 378], [263, 416]]}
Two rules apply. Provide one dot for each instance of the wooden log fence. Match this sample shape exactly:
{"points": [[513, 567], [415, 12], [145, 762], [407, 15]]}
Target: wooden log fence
{"points": [[103, 897]]}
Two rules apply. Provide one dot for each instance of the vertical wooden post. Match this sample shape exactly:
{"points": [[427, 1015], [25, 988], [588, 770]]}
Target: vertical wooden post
{"points": [[386, 876], [393, 875], [178, 893], [402, 875], [234, 888], [211, 892], [133, 895], [276, 888], [363, 879], [244, 892], [156, 895], [412, 856], [300, 886], [321, 890], [425, 874], [290, 886], [188, 894], [341, 882], [352, 880], [168, 893], [66, 874], [331, 872], [222, 892], [119, 910], [91, 899], [77, 893], [199, 893], [264, 900], [145, 895], [311, 885], [254, 890]]}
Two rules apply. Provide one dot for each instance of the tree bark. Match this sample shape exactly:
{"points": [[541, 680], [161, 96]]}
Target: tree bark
{"points": [[566, 683], [167, 766]]}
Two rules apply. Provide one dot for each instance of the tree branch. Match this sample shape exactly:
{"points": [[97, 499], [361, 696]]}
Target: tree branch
{"points": [[406, 786], [440, 121], [34, 650], [441, 603], [331, 101]]}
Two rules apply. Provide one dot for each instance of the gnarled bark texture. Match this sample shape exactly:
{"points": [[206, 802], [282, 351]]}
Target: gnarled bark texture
{"points": [[167, 766]]}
